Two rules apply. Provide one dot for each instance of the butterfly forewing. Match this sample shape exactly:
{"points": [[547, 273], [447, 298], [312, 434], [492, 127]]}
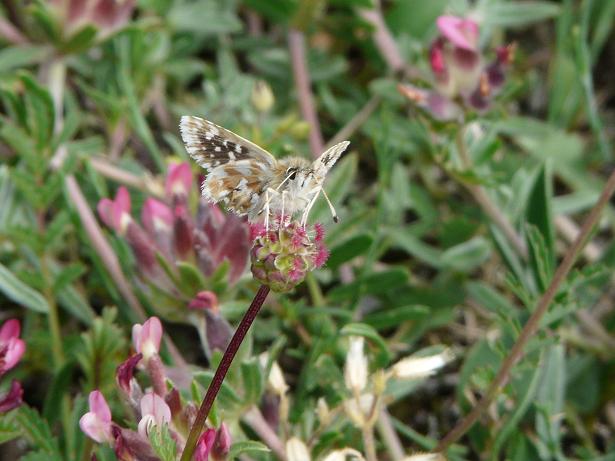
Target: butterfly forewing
{"points": [[327, 159], [211, 145]]}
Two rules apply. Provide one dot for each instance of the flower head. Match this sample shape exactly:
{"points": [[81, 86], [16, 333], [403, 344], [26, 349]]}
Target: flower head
{"points": [[204, 445], [116, 213], [282, 256], [12, 347], [154, 412], [96, 423], [146, 338], [222, 443], [179, 180]]}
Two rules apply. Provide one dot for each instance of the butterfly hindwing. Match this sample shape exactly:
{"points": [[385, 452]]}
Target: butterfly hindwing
{"points": [[211, 145]]}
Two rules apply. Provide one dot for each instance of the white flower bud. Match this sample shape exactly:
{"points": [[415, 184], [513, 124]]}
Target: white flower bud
{"points": [[275, 380], [296, 450], [359, 411], [341, 455], [355, 371], [420, 367], [324, 414], [425, 457]]}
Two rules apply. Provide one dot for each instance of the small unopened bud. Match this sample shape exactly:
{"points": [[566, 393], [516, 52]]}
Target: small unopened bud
{"points": [[343, 455], [275, 380], [355, 370], [324, 414], [222, 444], [296, 450], [421, 367], [425, 457], [262, 96]]}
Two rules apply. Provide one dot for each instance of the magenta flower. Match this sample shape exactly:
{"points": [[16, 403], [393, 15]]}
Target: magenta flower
{"points": [[222, 443], [461, 77], [96, 423], [13, 398], [462, 33], [124, 374], [154, 412], [116, 213], [11, 347], [106, 15], [204, 445], [179, 180], [146, 338]]}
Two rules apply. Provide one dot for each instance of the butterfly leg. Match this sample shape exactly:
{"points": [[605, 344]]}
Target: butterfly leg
{"points": [[269, 194], [308, 208]]}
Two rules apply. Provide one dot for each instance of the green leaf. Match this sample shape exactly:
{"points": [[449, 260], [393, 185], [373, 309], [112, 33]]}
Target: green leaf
{"points": [[8, 428], [40, 109], [58, 388], [468, 255], [376, 283], [203, 17], [19, 292], [253, 381], [550, 402], [539, 209], [348, 250], [191, 280], [81, 40], [412, 245], [366, 331], [540, 258], [517, 14], [37, 431], [18, 57], [247, 446], [162, 443], [227, 395], [394, 317]]}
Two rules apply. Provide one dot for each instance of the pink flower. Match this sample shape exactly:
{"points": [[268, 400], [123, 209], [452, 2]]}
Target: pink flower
{"points": [[204, 300], [222, 443], [146, 338], [96, 423], [13, 398], [116, 213], [124, 373], [179, 180], [204, 445], [154, 412], [462, 33], [11, 347], [156, 217]]}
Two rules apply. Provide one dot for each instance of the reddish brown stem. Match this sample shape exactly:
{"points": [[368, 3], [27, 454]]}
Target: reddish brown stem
{"points": [[296, 45], [225, 364]]}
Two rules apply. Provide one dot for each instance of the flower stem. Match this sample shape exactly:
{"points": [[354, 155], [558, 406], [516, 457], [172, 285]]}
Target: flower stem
{"points": [[534, 321], [225, 364]]}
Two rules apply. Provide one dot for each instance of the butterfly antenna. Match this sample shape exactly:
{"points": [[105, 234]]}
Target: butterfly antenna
{"points": [[331, 208]]}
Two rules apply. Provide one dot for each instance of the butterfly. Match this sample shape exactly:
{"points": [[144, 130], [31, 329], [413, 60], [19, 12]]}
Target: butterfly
{"points": [[248, 180]]}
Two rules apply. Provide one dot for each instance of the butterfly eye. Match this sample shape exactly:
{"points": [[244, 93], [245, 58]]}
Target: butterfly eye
{"points": [[292, 173]]}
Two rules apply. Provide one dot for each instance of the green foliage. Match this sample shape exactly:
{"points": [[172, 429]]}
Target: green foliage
{"points": [[449, 234]]}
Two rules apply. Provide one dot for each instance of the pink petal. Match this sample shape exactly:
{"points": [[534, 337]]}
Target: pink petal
{"points": [[136, 336], [99, 407], [14, 352], [104, 208], [462, 33], [94, 428], [179, 179], [10, 329], [155, 406], [204, 445], [152, 332], [222, 444], [156, 216], [13, 398]]}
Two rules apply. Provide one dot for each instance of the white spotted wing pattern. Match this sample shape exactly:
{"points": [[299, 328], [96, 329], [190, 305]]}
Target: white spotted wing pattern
{"points": [[247, 179]]}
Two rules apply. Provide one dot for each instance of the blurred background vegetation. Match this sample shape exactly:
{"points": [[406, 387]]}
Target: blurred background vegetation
{"points": [[432, 250]]}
